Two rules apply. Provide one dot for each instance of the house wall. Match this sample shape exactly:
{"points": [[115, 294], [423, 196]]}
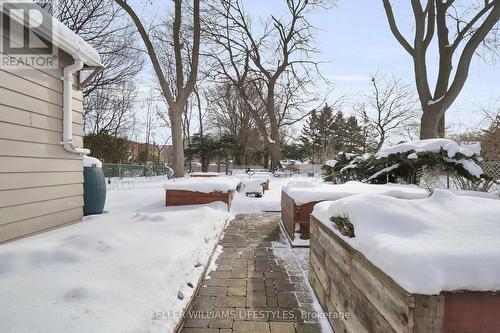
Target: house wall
{"points": [[41, 184]]}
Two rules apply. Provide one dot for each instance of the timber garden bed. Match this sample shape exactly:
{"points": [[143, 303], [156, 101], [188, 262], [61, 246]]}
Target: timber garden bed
{"points": [[395, 265], [298, 200], [202, 190], [183, 197], [344, 280], [295, 218], [204, 174]]}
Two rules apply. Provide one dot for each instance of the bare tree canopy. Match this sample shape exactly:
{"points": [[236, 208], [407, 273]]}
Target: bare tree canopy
{"points": [[275, 58], [390, 108], [460, 29], [109, 96]]}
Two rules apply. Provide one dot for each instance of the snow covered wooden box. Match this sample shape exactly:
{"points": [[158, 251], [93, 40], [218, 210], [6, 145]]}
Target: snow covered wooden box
{"points": [[182, 197], [265, 186], [298, 200], [393, 280], [295, 217], [203, 190], [205, 174]]}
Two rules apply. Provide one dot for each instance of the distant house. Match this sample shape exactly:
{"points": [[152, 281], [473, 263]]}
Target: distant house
{"points": [[157, 154], [41, 117]]}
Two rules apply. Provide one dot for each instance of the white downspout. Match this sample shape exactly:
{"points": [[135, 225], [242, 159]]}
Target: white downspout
{"points": [[68, 108]]}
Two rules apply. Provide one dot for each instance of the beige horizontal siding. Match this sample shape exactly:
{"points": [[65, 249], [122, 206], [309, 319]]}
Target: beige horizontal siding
{"points": [[23, 101], [26, 211], [13, 82], [14, 164], [26, 118], [31, 195], [28, 134], [31, 134], [32, 149], [37, 77], [35, 225], [40, 182], [10, 181]]}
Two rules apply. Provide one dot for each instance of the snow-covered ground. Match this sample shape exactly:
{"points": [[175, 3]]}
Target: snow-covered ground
{"points": [[270, 201], [115, 272], [112, 272], [445, 242]]}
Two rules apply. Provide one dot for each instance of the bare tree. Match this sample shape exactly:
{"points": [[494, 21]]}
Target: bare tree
{"points": [[269, 61], [230, 114], [390, 109], [470, 25], [101, 23], [110, 110], [176, 95]]}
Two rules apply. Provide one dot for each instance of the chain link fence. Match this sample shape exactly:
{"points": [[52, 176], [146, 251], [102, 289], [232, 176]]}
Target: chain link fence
{"points": [[132, 171], [433, 178]]}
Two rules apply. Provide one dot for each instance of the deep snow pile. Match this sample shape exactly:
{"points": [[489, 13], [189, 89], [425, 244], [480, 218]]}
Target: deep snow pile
{"points": [[111, 272], [203, 184], [304, 192], [444, 242]]}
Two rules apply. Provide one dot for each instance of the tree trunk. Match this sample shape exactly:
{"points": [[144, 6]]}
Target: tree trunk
{"points": [[442, 127], [204, 164], [380, 142], [275, 152], [429, 124], [177, 140]]}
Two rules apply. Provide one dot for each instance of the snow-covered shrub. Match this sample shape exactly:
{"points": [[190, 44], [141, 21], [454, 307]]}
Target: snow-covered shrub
{"points": [[347, 167], [345, 226], [406, 161]]}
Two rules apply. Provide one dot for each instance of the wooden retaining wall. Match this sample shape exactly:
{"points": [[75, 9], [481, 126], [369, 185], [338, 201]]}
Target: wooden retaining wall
{"points": [[345, 281]]}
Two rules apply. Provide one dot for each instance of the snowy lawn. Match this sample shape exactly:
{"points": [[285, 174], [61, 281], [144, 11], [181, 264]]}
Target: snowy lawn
{"points": [[443, 243], [112, 272]]}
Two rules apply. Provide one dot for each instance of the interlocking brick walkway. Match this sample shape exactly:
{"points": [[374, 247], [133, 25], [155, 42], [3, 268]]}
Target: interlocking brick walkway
{"points": [[260, 284]]}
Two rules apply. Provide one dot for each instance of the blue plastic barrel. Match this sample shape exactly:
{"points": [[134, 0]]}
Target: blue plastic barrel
{"points": [[94, 189]]}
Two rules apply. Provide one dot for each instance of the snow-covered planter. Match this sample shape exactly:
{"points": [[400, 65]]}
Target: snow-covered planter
{"points": [[203, 190], [265, 185], [204, 174], [428, 265], [298, 199]]}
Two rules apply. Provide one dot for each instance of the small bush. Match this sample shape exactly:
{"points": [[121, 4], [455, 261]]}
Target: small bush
{"points": [[345, 226]]}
